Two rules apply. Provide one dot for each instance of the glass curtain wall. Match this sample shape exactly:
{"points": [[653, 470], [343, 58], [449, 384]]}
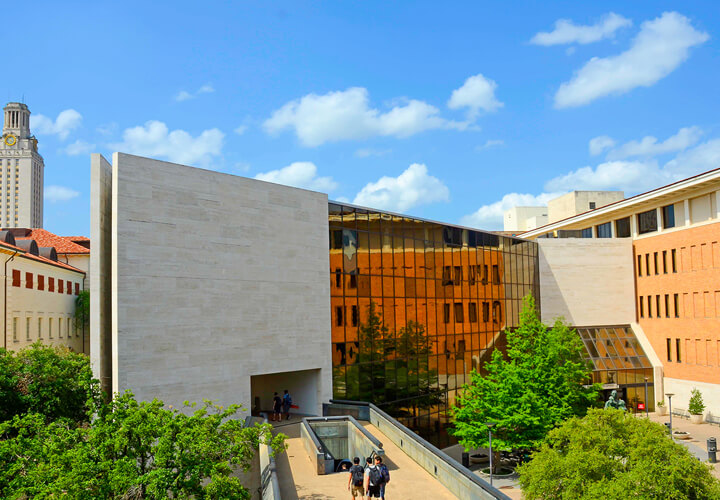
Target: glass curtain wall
{"points": [[417, 305]]}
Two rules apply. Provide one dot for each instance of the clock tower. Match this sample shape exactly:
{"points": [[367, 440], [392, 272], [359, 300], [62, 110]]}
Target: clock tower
{"points": [[21, 171]]}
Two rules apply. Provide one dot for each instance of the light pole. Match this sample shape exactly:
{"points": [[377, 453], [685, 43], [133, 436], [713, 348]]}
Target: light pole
{"points": [[490, 453], [647, 410], [669, 396]]}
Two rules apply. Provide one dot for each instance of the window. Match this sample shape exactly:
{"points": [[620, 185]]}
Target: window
{"points": [[27, 328], [338, 278], [592, 205], [15, 329], [657, 306], [676, 300], [639, 265], [668, 349], [39, 328], [338, 317], [667, 305], [458, 275], [471, 274], [41, 282], [28, 280], [668, 216], [673, 255], [51, 284], [604, 230], [496, 311], [459, 312], [472, 312], [50, 328], [677, 350], [586, 233], [60, 286], [496, 274], [485, 275], [642, 308], [486, 311], [60, 325], [69, 288], [647, 221], [649, 304], [352, 284], [647, 264], [447, 276], [16, 277], [664, 261], [446, 313], [622, 228], [69, 328], [354, 316], [655, 262]]}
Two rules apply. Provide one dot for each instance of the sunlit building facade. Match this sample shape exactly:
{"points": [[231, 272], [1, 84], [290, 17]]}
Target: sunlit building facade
{"points": [[415, 306]]}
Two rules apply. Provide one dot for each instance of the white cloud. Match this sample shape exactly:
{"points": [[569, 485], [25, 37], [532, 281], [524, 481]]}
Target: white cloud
{"points": [[301, 174], [55, 194], [79, 148], [491, 216], [364, 153], [155, 140], [660, 47], [599, 144], [490, 143], [567, 32], [107, 129], [649, 145], [66, 122], [411, 188], [699, 159], [184, 95], [477, 93], [240, 130]]}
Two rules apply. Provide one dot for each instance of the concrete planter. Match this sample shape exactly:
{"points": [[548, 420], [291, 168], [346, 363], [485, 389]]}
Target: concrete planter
{"points": [[661, 410], [697, 419]]}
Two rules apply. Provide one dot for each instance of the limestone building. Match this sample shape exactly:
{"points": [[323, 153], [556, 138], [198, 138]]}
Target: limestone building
{"points": [[21, 171]]}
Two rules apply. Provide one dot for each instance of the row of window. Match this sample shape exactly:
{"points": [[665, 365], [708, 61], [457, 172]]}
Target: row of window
{"points": [[458, 312], [64, 328], [63, 286], [646, 222], [657, 303], [697, 351], [452, 275], [656, 262]]}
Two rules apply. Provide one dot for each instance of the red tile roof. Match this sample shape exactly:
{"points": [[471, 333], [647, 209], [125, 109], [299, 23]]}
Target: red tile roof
{"points": [[62, 244], [27, 255]]}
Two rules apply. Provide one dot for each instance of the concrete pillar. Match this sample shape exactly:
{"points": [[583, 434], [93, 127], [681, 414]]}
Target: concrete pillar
{"points": [[686, 209], [658, 215], [612, 229], [717, 205], [633, 226]]}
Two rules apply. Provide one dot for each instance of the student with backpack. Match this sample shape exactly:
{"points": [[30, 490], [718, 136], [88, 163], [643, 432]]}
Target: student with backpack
{"points": [[385, 475], [286, 404], [373, 479], [357, 479]]}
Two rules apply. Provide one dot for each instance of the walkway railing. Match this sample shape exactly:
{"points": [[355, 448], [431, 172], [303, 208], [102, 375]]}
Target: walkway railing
{"points": [[269, 484]]}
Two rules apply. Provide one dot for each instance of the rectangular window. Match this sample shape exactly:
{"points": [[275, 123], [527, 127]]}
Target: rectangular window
{"points": [[622, 228], [647, 264], [60, 286], [649, 306], [639, 265], [28, 280], [668, 349], [642, 307], [673, 259], [604, 230], [471, 274], [655, 262], [459, 318], [41, 282], [647, 221], [667, 305], [352, 284], [447, 275], [485, 275], [496, 274], [592, 205], [15, 329], [446, 313], [338, 278], [586, 233], [677, 350], [60, 328], [657, 306], [69, 327], [16, 277], [458, 275], [39, 328], [486, 311], [69, 288], [354, 317], [338, 316], [676, 300], [664, 261], [27, 328], [472, 312], [51, 284], [50, 328], [668, 215]]}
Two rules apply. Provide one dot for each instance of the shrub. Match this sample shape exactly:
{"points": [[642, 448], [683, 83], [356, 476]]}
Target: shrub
{"points": [[696, 406]]}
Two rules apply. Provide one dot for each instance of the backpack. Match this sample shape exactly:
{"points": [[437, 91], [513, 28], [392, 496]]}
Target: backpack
{"points": [[375, 476], [385, 473], [287, 399], [357, 475]]}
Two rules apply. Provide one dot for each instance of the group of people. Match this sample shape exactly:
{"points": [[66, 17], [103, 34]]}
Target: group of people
{"points": [[281, 407], [368, 481]]}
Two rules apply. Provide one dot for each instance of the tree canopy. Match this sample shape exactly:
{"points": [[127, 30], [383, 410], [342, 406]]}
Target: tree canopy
{"points": [[610, 454], [534, 389]]}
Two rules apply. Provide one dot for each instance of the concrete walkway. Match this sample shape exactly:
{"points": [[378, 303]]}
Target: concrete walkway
{"points": [[298, 480]]}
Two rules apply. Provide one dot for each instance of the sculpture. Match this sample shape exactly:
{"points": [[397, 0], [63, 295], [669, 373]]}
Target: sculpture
{"points": [[615, 402]]}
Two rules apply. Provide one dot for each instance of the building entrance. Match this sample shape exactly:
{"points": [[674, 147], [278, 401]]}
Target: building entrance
{"points": [[303, 386]]}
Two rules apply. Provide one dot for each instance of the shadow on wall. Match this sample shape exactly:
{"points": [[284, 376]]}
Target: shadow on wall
{"points": [[552, 295], [303, 386]]}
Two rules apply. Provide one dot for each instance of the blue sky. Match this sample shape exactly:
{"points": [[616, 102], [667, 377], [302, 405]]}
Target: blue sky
{"points": [[452, 111]]}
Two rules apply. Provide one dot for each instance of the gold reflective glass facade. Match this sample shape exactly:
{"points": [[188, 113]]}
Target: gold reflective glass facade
{"points": [[417, 305]]}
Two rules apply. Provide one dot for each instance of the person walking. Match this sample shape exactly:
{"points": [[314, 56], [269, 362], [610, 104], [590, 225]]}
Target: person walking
{"points": [[357, 479], [286, 403], [373, 480], [384, 472], [276, 408]]}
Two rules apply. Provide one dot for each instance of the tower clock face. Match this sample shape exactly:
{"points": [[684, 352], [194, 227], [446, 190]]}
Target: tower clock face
{"points": [[10, 140]]}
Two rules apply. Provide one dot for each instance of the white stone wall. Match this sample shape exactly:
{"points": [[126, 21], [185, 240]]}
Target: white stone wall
{"points": [[681, 396], [587, 281], [215, 278]]}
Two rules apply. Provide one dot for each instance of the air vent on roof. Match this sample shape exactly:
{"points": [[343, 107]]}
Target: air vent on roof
{"points": [[30, 246], [7, 237], [48, 253]]}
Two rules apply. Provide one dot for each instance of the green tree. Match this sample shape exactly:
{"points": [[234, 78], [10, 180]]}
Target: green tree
{"points": [[52, 381], [537, 387], [82, 310], [610, 454]]}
